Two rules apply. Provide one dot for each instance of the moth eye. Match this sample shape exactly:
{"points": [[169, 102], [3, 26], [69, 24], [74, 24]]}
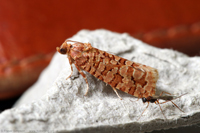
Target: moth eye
{"points": [[63, 51]]}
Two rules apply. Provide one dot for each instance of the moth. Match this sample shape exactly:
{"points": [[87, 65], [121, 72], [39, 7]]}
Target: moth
{"points": [[133, 78]]}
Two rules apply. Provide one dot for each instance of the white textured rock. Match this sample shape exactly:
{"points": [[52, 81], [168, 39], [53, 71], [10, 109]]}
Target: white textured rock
{"points": [[60, 105]]}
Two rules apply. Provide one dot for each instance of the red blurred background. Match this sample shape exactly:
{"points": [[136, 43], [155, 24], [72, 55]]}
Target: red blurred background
{"points": [[31, 29]]}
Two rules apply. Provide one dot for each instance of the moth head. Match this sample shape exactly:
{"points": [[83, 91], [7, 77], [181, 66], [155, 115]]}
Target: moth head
{"points": [[61, 50], [73, 48], [64, 48]]}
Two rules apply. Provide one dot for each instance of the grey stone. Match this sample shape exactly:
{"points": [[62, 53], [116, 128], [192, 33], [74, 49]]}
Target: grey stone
{"points": [[56, 104]]}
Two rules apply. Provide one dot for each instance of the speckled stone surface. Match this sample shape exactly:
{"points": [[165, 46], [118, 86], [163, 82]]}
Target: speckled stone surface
{"points": [[56, 104]]}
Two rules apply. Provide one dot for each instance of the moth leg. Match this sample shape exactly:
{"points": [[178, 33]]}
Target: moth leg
{"points": [[84, 76], [70, 62], [160, 108], [171, 100], [143, 111], [117, 93]]}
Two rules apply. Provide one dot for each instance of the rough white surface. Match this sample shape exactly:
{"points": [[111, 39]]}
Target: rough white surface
{"points": [[60, 105]]}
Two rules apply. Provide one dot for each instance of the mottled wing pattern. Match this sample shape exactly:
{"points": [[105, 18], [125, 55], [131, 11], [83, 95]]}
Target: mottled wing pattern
{"points": [[133, 78]]}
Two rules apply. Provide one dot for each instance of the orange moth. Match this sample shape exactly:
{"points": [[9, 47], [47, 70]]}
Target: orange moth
{"points": [[133, 78]]}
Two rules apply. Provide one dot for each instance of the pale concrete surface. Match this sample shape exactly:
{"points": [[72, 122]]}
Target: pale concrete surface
{"points": [[56, 104]]}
